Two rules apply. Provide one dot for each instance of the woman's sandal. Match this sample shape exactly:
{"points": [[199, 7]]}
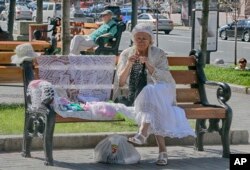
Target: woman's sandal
{"points": [[138, 139], [162, 159]]}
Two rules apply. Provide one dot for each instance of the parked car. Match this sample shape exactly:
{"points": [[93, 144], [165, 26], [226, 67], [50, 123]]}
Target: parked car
{"points": [[116, 11], [164, 24], [2, 5], [243, 30], [21, 12], [32, 5], [126, 14], [145, 9], [81, 16], [50, 10]]}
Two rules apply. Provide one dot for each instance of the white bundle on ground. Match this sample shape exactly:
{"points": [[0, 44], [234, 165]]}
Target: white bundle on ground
{"points": [[116, 150]]}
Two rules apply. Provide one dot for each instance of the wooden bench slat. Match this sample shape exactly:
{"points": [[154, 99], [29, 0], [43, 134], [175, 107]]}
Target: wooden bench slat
{"points": [[181, 61], [91, 25], [205, 113], [11, 45], [197, 111], [5, 57], [184, 76], [60, 119], [11, 74], [187, 95], [189, 105]]}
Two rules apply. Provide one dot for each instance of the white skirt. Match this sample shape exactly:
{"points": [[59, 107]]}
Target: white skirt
{"points": [[156, 105]]}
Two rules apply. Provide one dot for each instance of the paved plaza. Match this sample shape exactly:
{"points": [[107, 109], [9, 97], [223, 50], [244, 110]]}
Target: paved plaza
{"points": [[179, 157]]}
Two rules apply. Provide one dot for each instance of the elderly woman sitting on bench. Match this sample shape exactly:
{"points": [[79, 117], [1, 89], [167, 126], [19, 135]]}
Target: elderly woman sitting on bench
{"points": [[144, 68]]}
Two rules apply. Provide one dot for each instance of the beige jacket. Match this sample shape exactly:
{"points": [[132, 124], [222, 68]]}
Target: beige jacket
{"points": [[157, 58]]}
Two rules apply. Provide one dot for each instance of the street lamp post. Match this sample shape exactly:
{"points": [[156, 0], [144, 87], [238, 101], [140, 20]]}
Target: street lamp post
{"points": [[235, 34]]}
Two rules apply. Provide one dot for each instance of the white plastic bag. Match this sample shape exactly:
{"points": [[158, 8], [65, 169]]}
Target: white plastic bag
{"points": [[116, 150]]}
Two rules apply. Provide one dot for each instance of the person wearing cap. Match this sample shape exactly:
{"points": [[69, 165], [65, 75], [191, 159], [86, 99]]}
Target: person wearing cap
{"points": [[155, 105], [242, 65], [82, 42]]}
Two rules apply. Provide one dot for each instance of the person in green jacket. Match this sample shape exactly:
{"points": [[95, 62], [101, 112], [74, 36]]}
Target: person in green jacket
{"points": [[82, 42]]}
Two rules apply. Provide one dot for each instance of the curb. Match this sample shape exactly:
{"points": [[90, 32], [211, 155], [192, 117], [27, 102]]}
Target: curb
{"points": [[234, 88], [178, 27], [240, 89], [90, 140]]}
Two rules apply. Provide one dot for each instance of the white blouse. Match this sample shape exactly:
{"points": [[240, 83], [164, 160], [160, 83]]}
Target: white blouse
{"points": [[157, 59]]}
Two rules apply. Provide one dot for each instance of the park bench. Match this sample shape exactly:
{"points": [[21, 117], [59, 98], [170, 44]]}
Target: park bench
{"points": [[10, 74], [191, 96], [79, 28], [43, 47], [110, 48], [76, 28]]}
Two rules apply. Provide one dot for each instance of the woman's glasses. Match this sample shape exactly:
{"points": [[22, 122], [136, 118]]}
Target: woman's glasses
{"points": [[141, 39]]}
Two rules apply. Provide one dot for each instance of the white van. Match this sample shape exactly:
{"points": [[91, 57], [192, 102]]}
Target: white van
{"points": [[50, 10]]}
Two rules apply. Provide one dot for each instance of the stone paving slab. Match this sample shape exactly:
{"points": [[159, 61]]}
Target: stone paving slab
{"points": [[180, 157]]}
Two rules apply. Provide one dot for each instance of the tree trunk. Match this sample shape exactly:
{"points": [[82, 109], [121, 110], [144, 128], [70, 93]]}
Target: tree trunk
{"points": [[66, 27], [11, 17], [235, 42], [39, 12], [204, 29]]}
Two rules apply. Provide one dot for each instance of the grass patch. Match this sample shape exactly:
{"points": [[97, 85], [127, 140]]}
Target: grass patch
{"points": [[223, 74], [228, 75], [11, 118], [12, 122]]}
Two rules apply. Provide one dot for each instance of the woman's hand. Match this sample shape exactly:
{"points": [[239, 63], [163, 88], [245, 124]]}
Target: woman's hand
{"points": [[144, 60], [131, 60], [126, 70]]}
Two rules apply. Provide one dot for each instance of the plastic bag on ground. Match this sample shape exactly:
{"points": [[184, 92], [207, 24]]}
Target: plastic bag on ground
{"points": [[116, 150]]}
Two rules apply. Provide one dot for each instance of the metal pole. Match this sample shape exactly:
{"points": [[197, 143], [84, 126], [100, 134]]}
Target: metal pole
{"points": [[134, 14], [157, 20], [235, 40], [208, 57], [193, 29]]}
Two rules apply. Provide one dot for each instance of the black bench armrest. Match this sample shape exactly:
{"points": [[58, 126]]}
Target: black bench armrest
{"points": [[223, 91], [113, 42], [100, 41]]}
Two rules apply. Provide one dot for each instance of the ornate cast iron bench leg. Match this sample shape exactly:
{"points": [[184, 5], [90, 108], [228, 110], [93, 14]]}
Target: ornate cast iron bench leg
{"points": [[48, 137], [34, 126], [225, 139], [200, 129], [26, 138]]}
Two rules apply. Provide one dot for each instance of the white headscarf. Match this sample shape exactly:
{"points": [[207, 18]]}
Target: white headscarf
{"points": [[143, 27]]}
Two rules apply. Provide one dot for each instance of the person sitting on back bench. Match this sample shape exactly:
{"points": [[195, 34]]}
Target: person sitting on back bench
{"points": [[82, 42], [5, 35], [242, 64]]}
